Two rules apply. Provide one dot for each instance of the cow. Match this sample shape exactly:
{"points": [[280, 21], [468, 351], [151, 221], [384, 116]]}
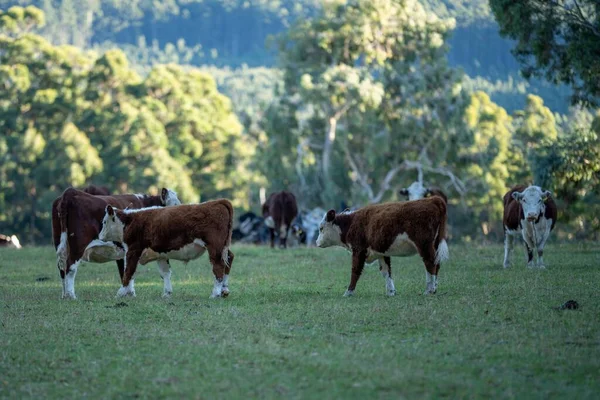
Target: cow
{"points": [[530, 211], [76, 222], [97, 190], [279, 211], [381, 231], [417, 191], [182, 233], [10, 241]]}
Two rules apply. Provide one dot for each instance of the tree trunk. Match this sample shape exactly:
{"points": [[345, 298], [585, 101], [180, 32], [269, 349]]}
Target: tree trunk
{"points": [[327, 145]]}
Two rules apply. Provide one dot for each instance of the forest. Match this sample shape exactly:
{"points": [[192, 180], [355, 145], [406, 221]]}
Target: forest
{"points": [[334, 100]]}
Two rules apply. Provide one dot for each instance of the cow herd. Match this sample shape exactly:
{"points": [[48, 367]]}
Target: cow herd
{"points": [[91, 225]]}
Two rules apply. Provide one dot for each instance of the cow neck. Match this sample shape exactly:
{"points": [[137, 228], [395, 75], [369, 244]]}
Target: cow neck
{"points": [[124, 217], [344, 221], [151, 201]]}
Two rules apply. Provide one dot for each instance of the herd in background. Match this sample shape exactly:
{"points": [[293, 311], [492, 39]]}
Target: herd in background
{"points": [[90, 225]]}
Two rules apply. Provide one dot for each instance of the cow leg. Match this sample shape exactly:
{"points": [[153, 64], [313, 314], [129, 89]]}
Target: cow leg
{"points": [[218, 266], [272, 232], [283, 231], [428, 255], [131, 262], [385, 266], [227, 270], [121, 268], [358, 263], [509, 242], [530, 262], [62, 280], [69, 281], [164, 269]]}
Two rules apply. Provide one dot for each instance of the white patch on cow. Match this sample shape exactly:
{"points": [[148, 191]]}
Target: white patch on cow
{"points": [[188, 252], [112, 228], [15, 241], [69, 284], [137, 210], [536, 235], [390, 289], [416, 191], [61, 252], [402, 246], [217, 289], [270, 222], [99, 251], [283, 230], [164, 269], [532, 201], [431, 283], [139, 196], [330, 234], [171, 198], [128, 290]]}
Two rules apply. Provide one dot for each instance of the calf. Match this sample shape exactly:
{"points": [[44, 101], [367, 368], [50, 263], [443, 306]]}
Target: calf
{"points": [[380, 231], [10, 241], [531, 212], [279, 211], [183, 233], [76, 222], [417, 191]]}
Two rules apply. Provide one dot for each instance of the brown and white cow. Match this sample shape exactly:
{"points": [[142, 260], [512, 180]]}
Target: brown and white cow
{"points": [[381, 231], [76, 222], [10, 241], [417, 191], [531, 212], [279, 211], [182, 233]]}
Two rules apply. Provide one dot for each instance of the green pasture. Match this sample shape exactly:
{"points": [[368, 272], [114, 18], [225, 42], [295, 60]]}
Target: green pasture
{"points": [[286, 331]]}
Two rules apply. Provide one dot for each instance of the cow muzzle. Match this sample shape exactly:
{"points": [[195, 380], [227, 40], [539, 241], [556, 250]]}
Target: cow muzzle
{"points": [[531, 217]]}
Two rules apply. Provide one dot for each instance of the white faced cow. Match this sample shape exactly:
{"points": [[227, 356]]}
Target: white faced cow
{"points": [[182, 233], [417, 191], [531, 212], [380, 231]]}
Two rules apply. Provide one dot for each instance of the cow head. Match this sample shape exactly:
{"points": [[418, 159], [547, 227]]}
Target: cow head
{"points": [[533, 200], [112, 226], [330, 234], [169, 198], [415, 191]]}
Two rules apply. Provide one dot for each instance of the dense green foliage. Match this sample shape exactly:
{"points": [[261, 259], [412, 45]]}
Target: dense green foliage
{"points": [[286, 331], [557, 40]]}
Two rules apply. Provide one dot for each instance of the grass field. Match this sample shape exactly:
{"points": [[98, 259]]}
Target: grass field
{"points": [[287, 332]]}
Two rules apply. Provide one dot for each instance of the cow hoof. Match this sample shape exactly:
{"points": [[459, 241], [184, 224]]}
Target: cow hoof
{"points": [[506, 265], [349, 293], [429, 291], [541, 266], [167, 295], [214, 296], [391, 293], [125, 291], [69, 296], [225, 292], [530, 265]]}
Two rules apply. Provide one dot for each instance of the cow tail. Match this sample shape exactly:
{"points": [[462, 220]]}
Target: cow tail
{"points": [[442, 253], [225, 252], [63, 213]]}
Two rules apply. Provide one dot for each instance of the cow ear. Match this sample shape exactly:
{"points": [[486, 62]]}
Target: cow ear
{"points": [[546, 195], [110, 210], [163, 195], [403, 192], [517, 196], [330, 215]]}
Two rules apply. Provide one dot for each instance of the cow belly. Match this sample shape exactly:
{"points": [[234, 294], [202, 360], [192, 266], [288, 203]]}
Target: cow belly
{"points": [[402, 246], [99, 251], [188, 252]]}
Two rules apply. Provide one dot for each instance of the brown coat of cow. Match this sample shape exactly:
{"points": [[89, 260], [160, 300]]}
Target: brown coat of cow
{"points": [[535, 231], [380, 231], [182, 232], [279, 211], [76, 222]]}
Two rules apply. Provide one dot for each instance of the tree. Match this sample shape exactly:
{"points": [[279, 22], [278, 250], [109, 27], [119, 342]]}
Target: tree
{"points": [[556, 40]]}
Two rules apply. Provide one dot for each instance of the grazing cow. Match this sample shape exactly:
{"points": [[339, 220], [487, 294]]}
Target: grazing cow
{"points": [[76, 222], [532, 212], [380, 231], [417, 191], [182, 233], [97, 190], [279, 211], [10, 241]]}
